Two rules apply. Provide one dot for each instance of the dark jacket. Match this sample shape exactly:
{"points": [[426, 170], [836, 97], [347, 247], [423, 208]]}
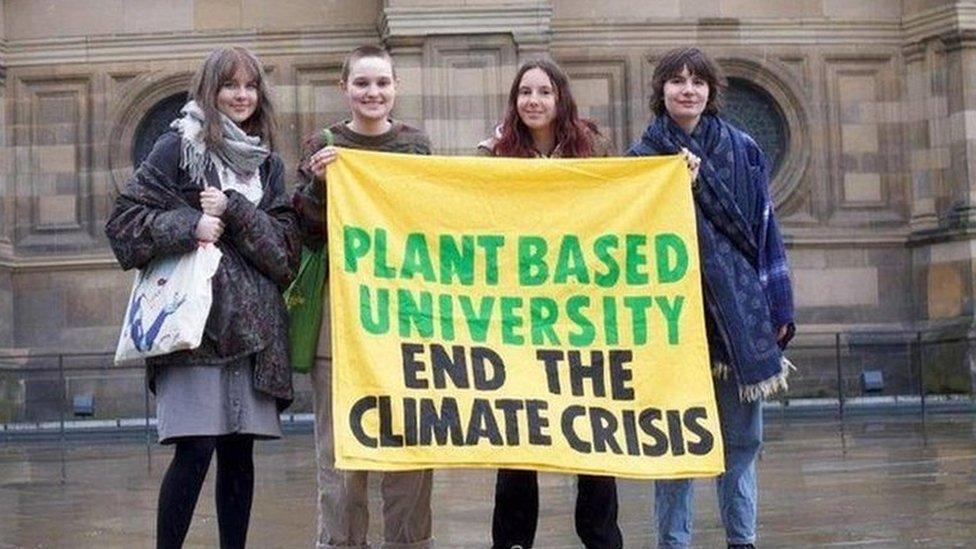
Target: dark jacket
{"points": [[156, 215]]}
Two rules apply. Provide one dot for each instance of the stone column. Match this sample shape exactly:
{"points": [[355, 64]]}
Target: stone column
{"points": [[6, 203], [458, 59], [940, 61], [961, 107]]}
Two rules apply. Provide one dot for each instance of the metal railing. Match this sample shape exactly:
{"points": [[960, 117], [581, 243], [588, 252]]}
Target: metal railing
{"points": [[917, 370]]}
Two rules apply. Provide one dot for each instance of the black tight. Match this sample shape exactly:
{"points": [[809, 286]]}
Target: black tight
{"points": [[184, 478]]}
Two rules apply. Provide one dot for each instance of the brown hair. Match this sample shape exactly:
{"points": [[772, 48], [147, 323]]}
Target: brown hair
{"points": [[572, 133], [219, 67], [313, 141], [699, 64], [368, 50]]}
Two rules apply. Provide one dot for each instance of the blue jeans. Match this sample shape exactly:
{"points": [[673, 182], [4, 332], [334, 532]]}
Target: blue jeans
{"points": [[742, 429]]}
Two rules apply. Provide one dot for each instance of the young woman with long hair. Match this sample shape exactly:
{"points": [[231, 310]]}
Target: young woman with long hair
{"points": [[368, 83], [214, 178], [542, 120]]}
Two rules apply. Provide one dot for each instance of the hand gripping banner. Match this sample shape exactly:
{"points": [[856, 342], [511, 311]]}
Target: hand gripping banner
{"points": [[541, 314]]}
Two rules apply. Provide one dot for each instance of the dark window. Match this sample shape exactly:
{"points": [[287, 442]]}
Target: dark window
{"points": [[752, 109], [156, 121]]}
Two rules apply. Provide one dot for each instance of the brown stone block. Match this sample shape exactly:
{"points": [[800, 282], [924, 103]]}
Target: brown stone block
{"points": [[771, 8], [91, 308], [157, 16], [216, 14], [945, 290], [32, 19], [38, 318], [308, 13]]}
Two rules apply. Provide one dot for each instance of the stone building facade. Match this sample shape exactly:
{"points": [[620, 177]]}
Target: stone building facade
{"points": [[872, 105]]}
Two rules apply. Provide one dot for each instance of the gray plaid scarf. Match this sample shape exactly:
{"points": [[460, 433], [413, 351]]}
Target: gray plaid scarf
{"points": [[242, 153]]}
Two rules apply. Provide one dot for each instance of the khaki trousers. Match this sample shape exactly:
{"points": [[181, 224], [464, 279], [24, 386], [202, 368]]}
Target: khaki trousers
{"points": [[343, 515]]}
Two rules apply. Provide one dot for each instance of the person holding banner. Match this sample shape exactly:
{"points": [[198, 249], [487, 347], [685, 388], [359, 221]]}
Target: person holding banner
{"points": [[369, 84], [748, 298], [214, 178], [542, 121]]}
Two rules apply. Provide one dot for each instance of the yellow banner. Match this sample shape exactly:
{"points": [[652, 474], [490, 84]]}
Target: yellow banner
{"points": [[542, 314]]}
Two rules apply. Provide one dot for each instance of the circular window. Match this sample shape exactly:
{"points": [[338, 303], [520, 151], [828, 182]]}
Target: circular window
{"points": [[753, 109], [153, 124]]}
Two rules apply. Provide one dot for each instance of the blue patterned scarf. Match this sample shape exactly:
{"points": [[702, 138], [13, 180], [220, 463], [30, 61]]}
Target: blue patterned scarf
{"points": [[729, 201]]}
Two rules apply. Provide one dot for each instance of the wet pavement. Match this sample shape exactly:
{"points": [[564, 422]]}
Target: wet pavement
{"points": [[878, 482]]}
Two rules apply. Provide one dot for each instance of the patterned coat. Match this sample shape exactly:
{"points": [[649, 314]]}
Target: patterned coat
{"points": [[156, 215]]}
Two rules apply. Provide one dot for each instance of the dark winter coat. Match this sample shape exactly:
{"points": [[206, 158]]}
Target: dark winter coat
{"points": [[156, 215]]}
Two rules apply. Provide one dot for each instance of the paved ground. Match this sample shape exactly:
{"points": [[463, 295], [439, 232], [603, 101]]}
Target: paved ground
{"points": [[878, 482]]}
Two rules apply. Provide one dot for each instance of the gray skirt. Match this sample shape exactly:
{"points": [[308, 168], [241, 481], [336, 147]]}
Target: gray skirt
{"points": [[213, 401]]}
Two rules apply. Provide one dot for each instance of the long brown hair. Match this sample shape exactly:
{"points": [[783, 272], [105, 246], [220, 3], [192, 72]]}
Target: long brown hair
{"points": [[219, 67], [699, 64], [572, 133]]}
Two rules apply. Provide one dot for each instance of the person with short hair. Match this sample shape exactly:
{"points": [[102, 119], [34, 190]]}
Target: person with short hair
{"points": [[746, 284], [369, 84]]}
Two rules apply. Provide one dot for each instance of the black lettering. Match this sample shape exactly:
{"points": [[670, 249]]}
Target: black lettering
{"points": [[705, 442], [630, 433], [538, 422], [579, 371], [510, 407], [439, 426], [409, 421], [356, 421], [412, 366], [387, 438], [675, 434], [479, 357], [646, 420], [569, 416], [482, 424], [604, 425], [619, 376], [551, 359], [455, 366]]}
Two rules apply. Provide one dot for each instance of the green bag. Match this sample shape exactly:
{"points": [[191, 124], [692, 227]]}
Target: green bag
{"points": [[304, 301]]}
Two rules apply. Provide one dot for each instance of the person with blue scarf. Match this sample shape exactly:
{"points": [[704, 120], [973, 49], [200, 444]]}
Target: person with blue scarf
{"points": [[745, 279]]}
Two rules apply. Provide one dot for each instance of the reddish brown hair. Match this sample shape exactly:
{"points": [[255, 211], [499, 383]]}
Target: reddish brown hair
{"points": [[572, 133]]}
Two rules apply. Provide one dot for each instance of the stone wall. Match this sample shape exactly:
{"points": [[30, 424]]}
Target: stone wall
{"points": [[875, 191]]}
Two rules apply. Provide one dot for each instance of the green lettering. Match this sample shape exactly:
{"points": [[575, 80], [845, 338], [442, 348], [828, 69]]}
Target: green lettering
{"points": [[381, 266], [636, 259], [381, 324], [543, 313], [574, 309], [477, 321], [511, 320], [638, 306], [533, 270], [355, 245], [570, 262], [610, 320], [410, 313], [666, 245], [671, 312], [457, 262], [416, 258], [445, 307], [603, 247], [491, 244]]}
